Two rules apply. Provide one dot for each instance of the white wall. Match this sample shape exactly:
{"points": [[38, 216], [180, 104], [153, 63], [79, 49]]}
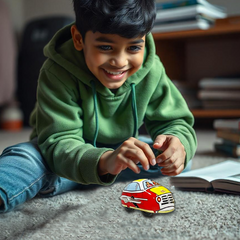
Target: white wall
{"points": [[36, 8], [24, 10], [16, 10]]}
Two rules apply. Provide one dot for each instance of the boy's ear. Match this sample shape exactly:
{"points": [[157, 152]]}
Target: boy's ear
{"points": [[77, 38]]}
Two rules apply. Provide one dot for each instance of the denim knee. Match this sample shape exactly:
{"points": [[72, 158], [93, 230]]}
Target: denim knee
{"points": [[22, 171], [24, 174]]}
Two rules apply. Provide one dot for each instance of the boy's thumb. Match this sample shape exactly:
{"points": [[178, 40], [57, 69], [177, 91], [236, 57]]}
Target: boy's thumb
{"points": [[160, 139]]}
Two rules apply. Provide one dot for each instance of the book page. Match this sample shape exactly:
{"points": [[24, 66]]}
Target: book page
{"points": [[229, 184], [232, 179], [218, 171], [237, 177]]}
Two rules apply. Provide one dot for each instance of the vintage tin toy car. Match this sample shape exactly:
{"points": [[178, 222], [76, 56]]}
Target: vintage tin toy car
{"points": [[147, 196]]}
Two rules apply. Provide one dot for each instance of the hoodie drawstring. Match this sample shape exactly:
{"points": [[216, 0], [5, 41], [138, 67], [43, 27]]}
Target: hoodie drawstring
{"points": [[96, 113], [134, 111]]}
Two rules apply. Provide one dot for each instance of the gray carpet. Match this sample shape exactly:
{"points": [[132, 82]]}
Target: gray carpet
{"points": [[98, 214]]}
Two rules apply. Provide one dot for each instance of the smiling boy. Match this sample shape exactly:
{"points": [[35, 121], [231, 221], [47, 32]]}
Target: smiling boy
{"points": [[102, 80], [111, 58]]}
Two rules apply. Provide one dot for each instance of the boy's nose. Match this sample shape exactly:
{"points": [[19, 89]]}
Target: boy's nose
{"points": [[119, 61]]}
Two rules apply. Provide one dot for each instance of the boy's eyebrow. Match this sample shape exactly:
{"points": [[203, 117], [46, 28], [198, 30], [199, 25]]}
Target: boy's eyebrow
{"points": [[137, 41], [104, 39]]}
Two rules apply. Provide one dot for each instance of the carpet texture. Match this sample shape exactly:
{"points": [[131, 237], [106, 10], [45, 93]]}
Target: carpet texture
{"points": [[97, 213]]}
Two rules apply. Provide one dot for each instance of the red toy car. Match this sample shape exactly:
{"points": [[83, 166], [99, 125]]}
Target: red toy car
{"points": [[147, 196]]}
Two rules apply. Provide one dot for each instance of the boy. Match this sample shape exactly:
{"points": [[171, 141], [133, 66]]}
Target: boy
{"points": [[101, 81]]}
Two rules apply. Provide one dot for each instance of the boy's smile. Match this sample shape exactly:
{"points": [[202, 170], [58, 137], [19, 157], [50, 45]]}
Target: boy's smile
{"points": [[110, 57]]}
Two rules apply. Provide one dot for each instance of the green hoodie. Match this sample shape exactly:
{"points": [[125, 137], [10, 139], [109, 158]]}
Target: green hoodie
{"points": [[77, 119]]}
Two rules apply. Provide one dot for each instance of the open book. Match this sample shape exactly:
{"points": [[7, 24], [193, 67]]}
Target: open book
{"points": [[222, 177]]}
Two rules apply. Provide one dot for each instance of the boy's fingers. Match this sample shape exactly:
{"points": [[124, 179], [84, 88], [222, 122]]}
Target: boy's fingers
{"points": [[171, 152], [170, 162], [137, 155], [168, 154], [147, 151], [131, 165], [143, 152], [159, 141], [172, 170], [138, 151]]}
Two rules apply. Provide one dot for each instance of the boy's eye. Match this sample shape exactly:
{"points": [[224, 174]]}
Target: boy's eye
{"points": [[135, 48], [105, 47]]}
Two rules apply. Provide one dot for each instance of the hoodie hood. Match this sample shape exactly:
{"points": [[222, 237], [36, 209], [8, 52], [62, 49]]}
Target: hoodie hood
{"points": [[61, 50]]}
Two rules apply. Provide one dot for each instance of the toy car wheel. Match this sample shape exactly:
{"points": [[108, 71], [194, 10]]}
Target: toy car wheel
{"points": [[147, 214], [129, 210]]}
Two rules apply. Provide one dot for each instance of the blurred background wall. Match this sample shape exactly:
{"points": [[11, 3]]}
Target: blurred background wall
{"points": [[24, 10], [26, 27]]}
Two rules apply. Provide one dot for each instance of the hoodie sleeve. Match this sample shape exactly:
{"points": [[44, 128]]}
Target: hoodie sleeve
{"points": [[168, 114], [58, 125]]}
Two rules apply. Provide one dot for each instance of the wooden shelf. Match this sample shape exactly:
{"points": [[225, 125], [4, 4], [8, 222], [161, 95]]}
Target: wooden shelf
{"points": [[213, 113], [189, 56], [225, 26]]}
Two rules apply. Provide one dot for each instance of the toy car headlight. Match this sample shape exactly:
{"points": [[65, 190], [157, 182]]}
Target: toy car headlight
{"points": [[158, 199]]}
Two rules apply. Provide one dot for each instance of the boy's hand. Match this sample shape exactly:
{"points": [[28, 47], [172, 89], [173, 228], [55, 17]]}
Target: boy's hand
{"points": [[173, 154], [131, 152]]}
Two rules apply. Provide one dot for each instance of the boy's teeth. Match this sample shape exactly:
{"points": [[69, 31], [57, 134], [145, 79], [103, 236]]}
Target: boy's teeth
{"points": [[113, 73]]}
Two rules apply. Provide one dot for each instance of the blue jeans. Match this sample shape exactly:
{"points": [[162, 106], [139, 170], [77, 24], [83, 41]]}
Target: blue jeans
{"points": [[25, 174]]}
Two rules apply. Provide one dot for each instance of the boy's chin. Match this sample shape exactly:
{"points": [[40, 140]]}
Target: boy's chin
{"points": [[114, 86]]}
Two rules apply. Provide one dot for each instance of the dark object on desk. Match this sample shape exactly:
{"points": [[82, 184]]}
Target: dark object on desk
{"points": [[229, 148]]}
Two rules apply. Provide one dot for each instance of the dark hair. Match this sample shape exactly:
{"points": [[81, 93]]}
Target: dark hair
{"points": [[127, 18]]}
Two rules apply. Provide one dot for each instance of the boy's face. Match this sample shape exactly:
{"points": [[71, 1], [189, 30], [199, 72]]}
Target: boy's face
{"points": [[110, 57]]}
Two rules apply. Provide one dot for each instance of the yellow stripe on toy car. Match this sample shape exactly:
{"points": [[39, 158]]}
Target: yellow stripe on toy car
{"points": [[159, 190]]}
